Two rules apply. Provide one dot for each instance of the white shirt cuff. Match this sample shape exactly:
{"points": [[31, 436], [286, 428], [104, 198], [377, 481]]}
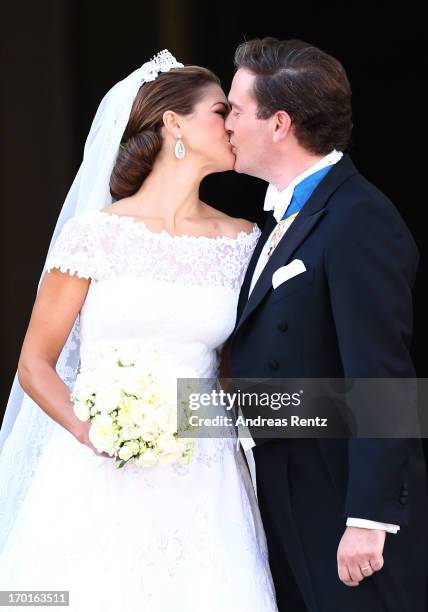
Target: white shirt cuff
{"points": [[244, 436], [365, 524], [247, 443]]}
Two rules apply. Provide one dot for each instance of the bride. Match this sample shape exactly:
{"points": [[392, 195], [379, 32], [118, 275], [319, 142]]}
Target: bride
{"points": [[159, 265]]}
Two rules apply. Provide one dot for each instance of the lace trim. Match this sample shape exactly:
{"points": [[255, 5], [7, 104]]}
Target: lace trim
{"points": [[129, 220]]}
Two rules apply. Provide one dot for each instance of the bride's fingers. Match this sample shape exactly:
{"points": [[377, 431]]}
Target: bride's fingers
{"points": [[97, 452], [89, 444]]}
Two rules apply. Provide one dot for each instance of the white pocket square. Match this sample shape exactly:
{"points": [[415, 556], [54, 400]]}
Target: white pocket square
{"points": [[284, 273]]}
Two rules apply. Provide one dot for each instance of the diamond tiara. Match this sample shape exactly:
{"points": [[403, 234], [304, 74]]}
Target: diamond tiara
{"points": [[161, 62]]}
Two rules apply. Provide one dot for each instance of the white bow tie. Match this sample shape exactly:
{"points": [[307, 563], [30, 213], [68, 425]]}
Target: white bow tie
{"points": [[279, 201]]}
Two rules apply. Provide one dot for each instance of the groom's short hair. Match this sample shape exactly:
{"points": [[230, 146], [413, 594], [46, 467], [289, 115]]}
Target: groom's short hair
{"points": [[307, 83]]}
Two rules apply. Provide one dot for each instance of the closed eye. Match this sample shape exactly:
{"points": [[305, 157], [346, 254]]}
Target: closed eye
{"points": [[222, 109]]}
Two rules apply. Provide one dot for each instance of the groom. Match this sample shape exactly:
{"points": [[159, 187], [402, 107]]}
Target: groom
{"points": [[345, 520]]}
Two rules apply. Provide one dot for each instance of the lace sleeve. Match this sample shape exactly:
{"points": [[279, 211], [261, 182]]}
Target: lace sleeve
{"points": [[74, 251], [247, 249]]}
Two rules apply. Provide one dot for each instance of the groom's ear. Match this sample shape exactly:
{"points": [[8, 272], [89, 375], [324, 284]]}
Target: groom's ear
{"points": [[281, 125]]}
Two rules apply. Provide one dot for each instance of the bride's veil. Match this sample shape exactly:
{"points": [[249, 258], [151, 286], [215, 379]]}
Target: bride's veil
{"points": [[26, 427]]}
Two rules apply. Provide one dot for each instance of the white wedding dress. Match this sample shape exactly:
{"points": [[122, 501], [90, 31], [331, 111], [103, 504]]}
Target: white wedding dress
{"points": [[168, 538]]}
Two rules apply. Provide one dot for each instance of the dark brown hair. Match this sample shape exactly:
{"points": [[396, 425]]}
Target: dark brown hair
{"points": [[178, 90], [307, 83]]}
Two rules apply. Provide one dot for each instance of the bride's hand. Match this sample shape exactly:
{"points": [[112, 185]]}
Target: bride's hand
{"points": [[82, 435]]}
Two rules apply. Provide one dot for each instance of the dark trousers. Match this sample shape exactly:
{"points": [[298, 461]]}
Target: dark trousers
{"points": [[303, 518]]}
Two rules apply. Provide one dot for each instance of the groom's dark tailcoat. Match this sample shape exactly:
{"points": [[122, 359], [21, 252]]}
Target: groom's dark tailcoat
{"points": [[349, 314]]}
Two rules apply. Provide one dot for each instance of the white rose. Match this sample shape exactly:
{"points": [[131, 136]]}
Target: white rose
{"points": [[135, 433], [171, 427], [128, 379], [134, 446], [126, 452], [81, 410], [108, 399], [82, 389], [149, 393], [166, 418], [125, 433], [169, 392], [137, 412], [147, 459], [104, 441], [103, 433], [124, 416], [127, 355], [103, 420], [147, 434], [166, 443], [147, 421]]}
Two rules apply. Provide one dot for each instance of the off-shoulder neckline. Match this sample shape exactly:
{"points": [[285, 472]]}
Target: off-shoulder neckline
{"points": [[140, 225]]}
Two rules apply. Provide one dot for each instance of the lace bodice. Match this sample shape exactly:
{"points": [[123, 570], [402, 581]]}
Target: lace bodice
{"points": [[103, 246], [179, 291]]}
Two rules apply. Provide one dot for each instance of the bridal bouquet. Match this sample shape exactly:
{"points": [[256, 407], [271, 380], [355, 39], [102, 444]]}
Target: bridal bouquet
{"points": [[130, 397]]}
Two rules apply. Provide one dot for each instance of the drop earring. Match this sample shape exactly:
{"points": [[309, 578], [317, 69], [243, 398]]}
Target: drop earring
{"points": [[179, 149]]}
